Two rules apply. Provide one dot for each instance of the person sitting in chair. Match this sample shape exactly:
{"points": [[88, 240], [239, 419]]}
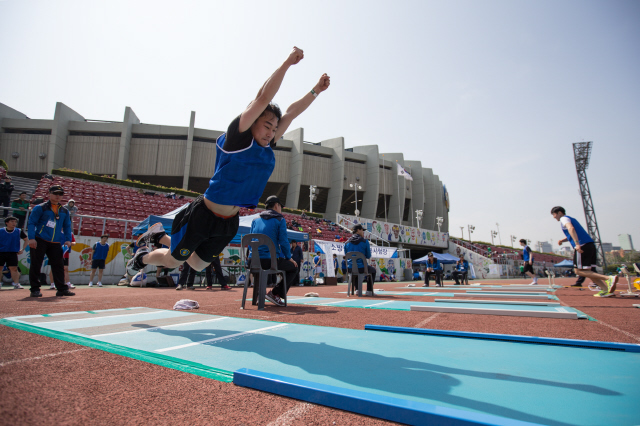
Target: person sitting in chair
{"points": [[433, 268], [358, 243], [462, 269]]}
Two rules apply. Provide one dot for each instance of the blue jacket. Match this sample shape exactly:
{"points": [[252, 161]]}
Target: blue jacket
{"points": [[435, 265], [41, 216], [357, 243], [273, 225], [463, 267], [297, 254]]}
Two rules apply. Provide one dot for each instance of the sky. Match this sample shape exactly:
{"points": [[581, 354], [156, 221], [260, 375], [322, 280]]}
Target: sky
{"points": [[489, 94]]}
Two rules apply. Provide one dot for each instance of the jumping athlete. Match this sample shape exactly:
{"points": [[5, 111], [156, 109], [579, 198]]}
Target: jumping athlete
{"points": [[527, 256], [585, 254], [244, 163]]}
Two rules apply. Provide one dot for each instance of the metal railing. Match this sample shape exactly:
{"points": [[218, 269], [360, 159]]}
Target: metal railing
{"points": [[127, 222], [368, 235]]}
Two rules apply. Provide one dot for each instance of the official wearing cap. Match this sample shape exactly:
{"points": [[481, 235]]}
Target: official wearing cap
{"points": [[273, 224], [49, 227]]}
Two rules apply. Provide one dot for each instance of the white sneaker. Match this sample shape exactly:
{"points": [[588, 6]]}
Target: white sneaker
{"points": [[71, 285], [53, 286], [17, 286], [90, 284], [533, 283], [368, 293], [99, 284]]}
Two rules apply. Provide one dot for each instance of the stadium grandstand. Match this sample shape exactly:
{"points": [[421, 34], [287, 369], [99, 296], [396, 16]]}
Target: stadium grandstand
{"points": [[351, 185]]}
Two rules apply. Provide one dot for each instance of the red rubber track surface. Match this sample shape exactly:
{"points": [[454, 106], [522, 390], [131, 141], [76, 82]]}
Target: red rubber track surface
{"points": [[48, 381]]}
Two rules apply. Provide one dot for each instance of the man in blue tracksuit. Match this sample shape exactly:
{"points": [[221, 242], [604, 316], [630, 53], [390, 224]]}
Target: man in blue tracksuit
{"points": [[49, 227], [272, 224], [358, 243], [527, 256], [462, 269], [433, 268]]}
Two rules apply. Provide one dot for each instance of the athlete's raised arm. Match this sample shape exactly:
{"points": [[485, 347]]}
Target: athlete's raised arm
{"points": [[268, 91], [299, 106]]}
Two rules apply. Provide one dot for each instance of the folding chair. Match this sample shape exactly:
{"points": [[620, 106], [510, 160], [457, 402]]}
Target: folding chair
{"points": [[260, 275], [355, 272]]}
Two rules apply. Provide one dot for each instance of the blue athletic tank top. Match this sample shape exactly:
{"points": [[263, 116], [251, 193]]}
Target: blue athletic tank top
{"points": [[9, 241], [583, 236], [101, 251], [526, 251], [241, 176]]}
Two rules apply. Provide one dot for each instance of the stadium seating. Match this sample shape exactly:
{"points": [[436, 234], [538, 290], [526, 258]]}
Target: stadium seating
{"points": [[107, 201]]}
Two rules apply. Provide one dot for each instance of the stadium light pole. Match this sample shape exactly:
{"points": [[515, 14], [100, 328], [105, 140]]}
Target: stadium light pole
{"points": [[356, 186], [312, 196], [439, 221], [499, 236], [493, 234], [462, 231], [513, 240], [419, 214], [470, 228]]}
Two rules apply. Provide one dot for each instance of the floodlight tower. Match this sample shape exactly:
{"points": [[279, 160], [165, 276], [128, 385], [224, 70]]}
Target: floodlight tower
{"points": [[582, 154]]}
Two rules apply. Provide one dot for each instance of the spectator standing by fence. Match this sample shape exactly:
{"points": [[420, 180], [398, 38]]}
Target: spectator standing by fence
{"points": [[73, 209], [5, 194], [49, 227], [21, 206], [100, 252]]}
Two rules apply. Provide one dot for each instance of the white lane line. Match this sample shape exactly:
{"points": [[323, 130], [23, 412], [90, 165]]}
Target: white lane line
{"points": [[202, 342], [337, 301], [157, 328], [288, 417], [426, 321], [91, 318], [3, 364], [378, 304], [626, 333]]}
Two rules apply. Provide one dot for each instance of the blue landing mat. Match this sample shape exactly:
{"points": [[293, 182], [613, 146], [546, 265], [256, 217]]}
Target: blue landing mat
{"points": [[454, 376], [404, 305]]}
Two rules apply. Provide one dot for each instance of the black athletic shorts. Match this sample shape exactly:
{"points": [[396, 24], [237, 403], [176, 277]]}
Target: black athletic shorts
{"points": [[587, 259], [197, 229], [8, 258], [65, 260], [97, 264], [528, 268]]}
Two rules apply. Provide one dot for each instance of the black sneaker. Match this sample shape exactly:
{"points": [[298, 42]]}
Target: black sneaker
{"points": [[153, 235], [64, 293], [35, 294], [191, 287], [575, 285], [135, 263]]}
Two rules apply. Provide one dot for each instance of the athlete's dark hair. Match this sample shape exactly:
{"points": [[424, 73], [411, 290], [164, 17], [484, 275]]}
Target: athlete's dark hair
{"points": [[7, 219], [558, 209], [273, 109], [522, 240]]}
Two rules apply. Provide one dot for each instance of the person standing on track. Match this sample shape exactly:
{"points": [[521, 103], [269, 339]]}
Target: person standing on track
{"points": [[527, 256], [298, 257], [10, 237], [244, 163], [100, 252], [585, 255], [49, 227]]}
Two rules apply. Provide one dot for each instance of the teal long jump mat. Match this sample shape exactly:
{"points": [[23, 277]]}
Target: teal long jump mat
{"points": [[487, 307], [398, 376], [425, 292]]}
